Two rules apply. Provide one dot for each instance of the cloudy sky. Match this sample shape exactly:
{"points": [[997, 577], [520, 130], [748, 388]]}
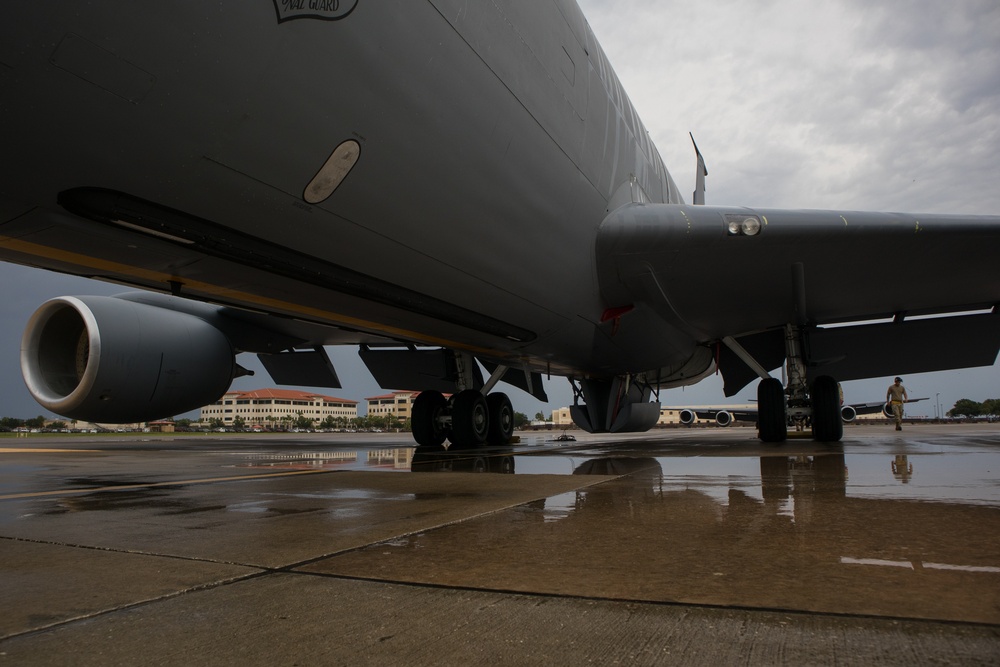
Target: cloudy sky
{"points": [[890, 106]]}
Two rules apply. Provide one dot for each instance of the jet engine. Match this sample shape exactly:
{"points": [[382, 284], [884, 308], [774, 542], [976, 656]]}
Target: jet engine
{"points": [[110, 360], [848, 414], [887, 411], [687, 416]]}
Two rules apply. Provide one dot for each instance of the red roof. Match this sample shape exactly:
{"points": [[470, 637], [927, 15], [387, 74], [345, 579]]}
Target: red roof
{"points": [[289, 395], [392, 395]]}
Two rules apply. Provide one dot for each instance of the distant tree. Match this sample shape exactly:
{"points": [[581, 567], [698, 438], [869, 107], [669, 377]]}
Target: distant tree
{"points": [[966, 407], [539, 416], [239, 423], [302, 421], [58, 425], [328, 422], [11, 422], [183, 423], [520, 419], [991, 406], [35, 422], [215, 422]]}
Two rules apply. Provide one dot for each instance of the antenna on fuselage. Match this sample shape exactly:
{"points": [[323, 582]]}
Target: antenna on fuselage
{"points": [[699, 178]]}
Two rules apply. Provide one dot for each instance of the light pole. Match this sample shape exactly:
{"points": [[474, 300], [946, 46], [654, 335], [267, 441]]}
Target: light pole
{"points": [[937, 404]]}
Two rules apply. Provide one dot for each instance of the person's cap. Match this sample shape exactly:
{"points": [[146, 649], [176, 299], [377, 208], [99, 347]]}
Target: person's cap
{"points": [[899, 379]]}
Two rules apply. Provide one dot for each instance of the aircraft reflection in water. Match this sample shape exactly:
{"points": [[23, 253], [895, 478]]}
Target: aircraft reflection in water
{"points": [[712, 532], [397, 458], [436, 459]]}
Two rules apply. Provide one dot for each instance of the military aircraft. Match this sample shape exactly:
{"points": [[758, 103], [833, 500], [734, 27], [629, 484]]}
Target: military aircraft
{"points": [[462, 190], [724, 416]]}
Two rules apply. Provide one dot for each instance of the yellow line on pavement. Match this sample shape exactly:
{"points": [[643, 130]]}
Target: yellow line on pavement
{"points": [[44, 450], [153, 485]]}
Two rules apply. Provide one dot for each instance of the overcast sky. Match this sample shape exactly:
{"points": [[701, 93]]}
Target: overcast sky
{"points": [[891, 106]]}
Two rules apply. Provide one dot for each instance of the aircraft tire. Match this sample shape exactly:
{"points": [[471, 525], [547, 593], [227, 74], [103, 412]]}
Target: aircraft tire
{"points": [[501, 419], [427, 407], [771, 423], [828, 425], [470, 419]]}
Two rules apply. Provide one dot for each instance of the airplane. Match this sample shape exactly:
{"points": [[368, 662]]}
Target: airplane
{"points": [[723, 416], [463, 191]]}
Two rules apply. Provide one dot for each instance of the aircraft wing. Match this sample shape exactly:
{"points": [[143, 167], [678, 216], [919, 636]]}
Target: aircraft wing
{"points": [[717, 272], [878, 406]]}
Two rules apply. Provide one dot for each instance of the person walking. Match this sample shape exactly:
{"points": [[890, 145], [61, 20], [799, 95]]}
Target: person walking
{"points": [[895, 395]]}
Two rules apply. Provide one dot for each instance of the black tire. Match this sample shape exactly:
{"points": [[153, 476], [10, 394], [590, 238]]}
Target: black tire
{"points": [[427, 408], [771, 423], [828, 425], [470, 419], [501, 419]]}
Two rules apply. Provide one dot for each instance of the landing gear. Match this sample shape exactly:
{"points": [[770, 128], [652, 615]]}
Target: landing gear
{"points": [[797, 404], [501, 414], [427, 419], [828, 426], [772, 424], [469, 419]]}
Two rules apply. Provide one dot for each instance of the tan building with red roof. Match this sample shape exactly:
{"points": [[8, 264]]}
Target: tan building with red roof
{"points": [[398, 404], [270, 407]]}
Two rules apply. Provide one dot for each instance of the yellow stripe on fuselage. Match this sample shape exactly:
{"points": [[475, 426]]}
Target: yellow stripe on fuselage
{"points": [[227, 295]]}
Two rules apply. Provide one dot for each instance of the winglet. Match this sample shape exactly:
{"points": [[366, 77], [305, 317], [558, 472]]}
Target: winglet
{"points": [[701, 173]]}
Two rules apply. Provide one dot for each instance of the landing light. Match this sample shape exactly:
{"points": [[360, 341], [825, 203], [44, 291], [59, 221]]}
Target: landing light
{"points": [[742, 225]]}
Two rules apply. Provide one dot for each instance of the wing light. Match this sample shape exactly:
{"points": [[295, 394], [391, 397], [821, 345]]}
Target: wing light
{"points": [[742, 225]]}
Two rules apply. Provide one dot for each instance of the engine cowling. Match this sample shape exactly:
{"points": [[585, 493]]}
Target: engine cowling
{"points": [[109, 360], [887, 411], [687, 416], [848, 414], [723, 418]]}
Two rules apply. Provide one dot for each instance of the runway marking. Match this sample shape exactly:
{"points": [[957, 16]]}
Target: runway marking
{"points": [[152, 485]]}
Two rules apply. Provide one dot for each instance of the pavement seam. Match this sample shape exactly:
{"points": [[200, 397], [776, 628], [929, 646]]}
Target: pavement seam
{"points": [[140, 603], [656, 603]]}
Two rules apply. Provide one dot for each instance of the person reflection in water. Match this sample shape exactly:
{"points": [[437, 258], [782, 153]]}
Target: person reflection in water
{"points": [[895, 395]]}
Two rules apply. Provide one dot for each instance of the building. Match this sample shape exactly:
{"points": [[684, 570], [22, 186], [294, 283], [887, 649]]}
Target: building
{"points": [[562, 417], [272, 407], [398, 404]]}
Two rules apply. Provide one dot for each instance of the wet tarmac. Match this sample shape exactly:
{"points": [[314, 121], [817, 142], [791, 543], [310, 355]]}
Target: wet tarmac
{"points": [[687, 546]]}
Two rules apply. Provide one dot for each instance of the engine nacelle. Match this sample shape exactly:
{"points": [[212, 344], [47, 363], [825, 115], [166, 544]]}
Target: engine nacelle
{"points": [[723, 418], [687, 416], [848, 414], [887, 411], [109, 360]]}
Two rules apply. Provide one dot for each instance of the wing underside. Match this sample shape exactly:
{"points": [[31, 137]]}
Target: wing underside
{"points": [[699, 269]]}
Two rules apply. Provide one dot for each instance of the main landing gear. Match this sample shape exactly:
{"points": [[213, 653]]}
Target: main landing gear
{"points": [[799, 404], [467, 419]]}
